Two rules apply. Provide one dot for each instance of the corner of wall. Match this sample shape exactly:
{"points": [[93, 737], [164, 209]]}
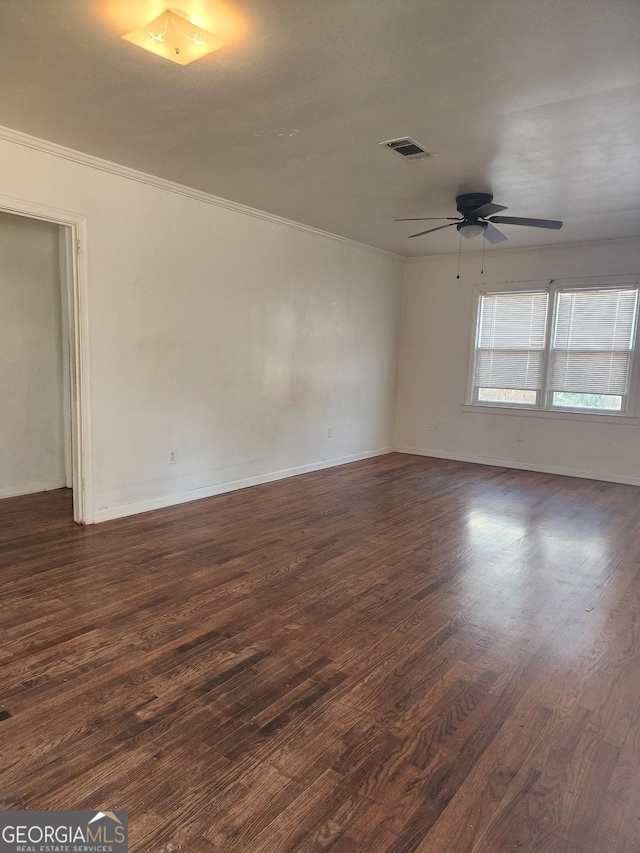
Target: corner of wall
{"points": [[396, 400]]}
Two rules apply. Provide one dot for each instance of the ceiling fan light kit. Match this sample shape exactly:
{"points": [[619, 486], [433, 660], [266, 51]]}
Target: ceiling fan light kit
{"points": [[471, 230], [478, 213]]}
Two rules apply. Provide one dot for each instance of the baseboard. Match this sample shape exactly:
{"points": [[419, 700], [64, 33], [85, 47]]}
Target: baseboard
{"points": [[109, 513], [522, 466], [32, 488]]}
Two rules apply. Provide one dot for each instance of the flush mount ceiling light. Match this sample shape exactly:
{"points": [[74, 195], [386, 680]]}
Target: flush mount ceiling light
{"points": [[174, 37]]}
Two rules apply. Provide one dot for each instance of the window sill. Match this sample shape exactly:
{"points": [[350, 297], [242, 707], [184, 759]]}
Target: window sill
{"points": [[544, 413]]}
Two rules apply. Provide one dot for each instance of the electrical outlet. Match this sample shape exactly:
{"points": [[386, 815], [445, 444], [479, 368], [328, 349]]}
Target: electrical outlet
{"points": [[431, 426], [520, 435], [329, 432], [172, 457]]}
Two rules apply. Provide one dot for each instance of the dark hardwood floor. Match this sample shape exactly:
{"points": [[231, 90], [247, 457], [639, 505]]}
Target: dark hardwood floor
{"points": [[398, 655]]}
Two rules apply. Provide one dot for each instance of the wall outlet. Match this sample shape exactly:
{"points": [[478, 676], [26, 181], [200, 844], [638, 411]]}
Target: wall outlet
{"points": [[431, 426], [520, 435], [329, 432], [172, 457]]}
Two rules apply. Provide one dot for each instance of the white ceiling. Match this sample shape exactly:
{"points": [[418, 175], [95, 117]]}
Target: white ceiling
{"points": [[537, 101]]}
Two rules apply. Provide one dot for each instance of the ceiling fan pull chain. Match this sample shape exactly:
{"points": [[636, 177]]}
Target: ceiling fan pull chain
{"points": [[459, 254], [484, 245]]}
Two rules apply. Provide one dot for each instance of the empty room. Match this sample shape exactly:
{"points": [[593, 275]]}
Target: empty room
{"points": [[320, 426]]}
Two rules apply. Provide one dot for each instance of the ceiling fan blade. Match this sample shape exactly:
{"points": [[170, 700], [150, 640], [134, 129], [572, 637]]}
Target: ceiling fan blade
{"points": [[439, 228], [488, 209], [555, 224], [493, 235], [424, 218]]}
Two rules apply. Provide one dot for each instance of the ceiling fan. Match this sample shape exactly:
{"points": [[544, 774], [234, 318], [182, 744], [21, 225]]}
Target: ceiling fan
{"points": [[478, 217]]}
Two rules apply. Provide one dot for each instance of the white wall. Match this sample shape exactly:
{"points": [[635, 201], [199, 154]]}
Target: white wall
{"points": [[234, 339], [437, 323], [32, 452]]}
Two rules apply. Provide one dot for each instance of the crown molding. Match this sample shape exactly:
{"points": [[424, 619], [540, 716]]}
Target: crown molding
{"points": [[16, 137], [519, 250]]}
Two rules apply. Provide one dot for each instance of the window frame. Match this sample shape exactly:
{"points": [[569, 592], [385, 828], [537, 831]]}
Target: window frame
{"points": [[543, 406]]}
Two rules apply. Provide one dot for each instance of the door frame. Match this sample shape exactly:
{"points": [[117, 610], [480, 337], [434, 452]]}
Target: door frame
{"points": [[75, 243]]}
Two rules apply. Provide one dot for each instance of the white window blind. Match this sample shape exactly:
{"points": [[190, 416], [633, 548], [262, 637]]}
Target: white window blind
{"points": [[511, 342], [593, 341]]}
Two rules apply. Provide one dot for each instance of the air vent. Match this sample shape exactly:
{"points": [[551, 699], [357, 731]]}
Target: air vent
{"points": [[407, 148]]}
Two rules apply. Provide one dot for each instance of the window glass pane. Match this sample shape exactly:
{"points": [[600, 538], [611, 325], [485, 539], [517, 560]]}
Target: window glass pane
{"points": [[606, 402], [593, 341], [512, 321], [507, 395], [500, 369], [510, 340]]}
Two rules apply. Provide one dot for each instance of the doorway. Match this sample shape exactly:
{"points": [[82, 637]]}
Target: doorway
{"points": [[44, 436]]}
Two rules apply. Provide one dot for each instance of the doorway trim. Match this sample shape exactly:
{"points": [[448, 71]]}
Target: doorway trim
{"points": [[75, 226]]}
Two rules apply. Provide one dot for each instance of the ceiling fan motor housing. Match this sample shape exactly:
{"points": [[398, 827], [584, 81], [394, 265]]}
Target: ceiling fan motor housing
{"points": [[468, 202]]}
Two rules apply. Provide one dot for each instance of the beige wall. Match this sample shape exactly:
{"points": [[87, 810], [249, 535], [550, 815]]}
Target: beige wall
{"points": [[31, 366], [436, 333], [236, 340]]}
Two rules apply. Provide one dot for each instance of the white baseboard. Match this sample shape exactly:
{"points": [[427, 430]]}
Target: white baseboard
{"points": [[522, 466], [32, 488], [110, 513]]}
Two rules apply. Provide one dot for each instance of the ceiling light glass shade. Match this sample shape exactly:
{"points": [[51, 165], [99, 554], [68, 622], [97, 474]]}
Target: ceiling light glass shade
{"points": [[471, 230], [174, 37]]}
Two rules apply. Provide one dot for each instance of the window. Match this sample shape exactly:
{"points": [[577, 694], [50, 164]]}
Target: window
{"points": [[510, 348], [555, 348], [592, 348]]}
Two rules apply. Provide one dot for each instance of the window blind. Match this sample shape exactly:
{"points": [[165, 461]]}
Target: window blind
{"points": [[593, 341], [511, 340]]}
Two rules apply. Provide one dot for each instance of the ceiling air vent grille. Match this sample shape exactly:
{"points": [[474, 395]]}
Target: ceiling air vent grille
{"points": [[407, 148]]}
